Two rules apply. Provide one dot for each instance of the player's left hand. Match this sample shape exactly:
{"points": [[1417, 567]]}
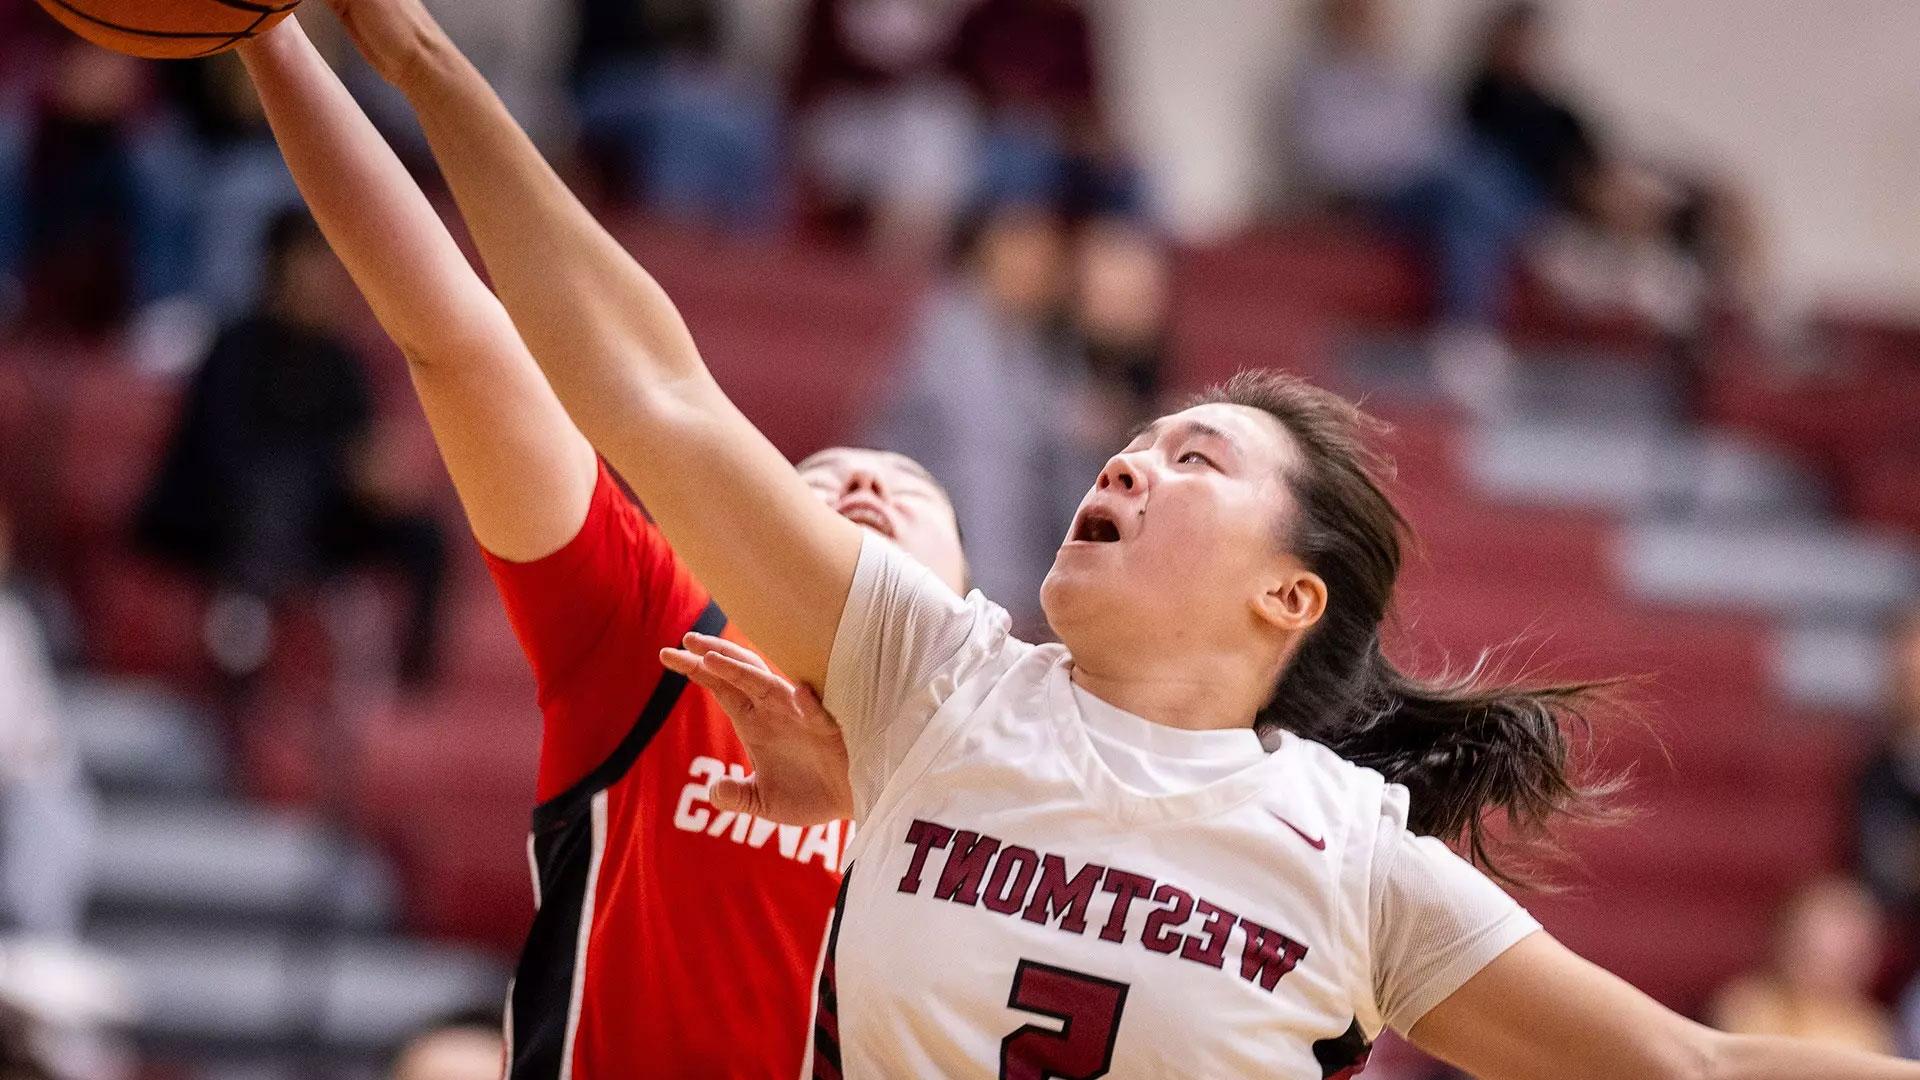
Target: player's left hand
{"points": [[798, 756], [391, 34]]}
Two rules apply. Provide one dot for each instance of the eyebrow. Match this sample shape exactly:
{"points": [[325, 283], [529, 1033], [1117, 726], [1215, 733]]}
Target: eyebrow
{"points": [[915, 468], [1195, 427]]}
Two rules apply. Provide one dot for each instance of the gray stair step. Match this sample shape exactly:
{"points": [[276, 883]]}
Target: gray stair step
{"points": [[135, 737], [1820, 665], [276, 987], [1637, 470], [235, 860], [1587, 386], [1807, 571]]}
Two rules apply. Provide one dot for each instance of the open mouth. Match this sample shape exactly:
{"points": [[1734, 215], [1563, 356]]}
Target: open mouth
{"points": [[868, 516], [1095, 526]]}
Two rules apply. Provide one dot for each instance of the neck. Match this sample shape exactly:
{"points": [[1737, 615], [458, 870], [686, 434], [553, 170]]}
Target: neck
{"points": [[1194, 694]]}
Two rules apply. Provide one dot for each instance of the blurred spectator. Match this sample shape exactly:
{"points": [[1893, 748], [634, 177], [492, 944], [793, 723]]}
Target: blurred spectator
{"points": [[885, 131], [1514, 108], [1121, 309], [242, 180], [1819, 969], [465, 1046], [23, 44], [1034, 74], [1371, 136], [107, 222], [1658, 241], [265, 488], [1365, 129], [981, 394], [686, 132], [46, 811], [1889, 790]]}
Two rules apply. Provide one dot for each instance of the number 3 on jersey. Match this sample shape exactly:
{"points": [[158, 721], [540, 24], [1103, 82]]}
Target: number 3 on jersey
{"points": [[1088, 1008]]}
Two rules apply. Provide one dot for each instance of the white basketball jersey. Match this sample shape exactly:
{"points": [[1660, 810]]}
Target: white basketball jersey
{"points": [[1013, 909]]}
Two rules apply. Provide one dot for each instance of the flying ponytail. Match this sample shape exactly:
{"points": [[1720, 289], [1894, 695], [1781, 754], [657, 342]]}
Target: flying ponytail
{"points": [[1466, 748]]}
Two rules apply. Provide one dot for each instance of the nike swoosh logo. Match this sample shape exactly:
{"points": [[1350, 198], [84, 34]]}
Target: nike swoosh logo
{"points": [[1319, 844]]}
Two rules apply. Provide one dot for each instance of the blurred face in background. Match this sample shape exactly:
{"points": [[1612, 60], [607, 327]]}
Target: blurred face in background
{"points": [[1828, 941], [1022, 260], [1517, 46], [1123, 284], [463, 1053], [313, 288], [1906, 670], [1354, 26], [891, 495], [93, 85]]}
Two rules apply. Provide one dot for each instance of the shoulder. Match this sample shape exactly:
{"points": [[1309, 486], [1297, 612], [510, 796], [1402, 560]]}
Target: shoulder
{"points": [[991, 651], [1355, 788]]}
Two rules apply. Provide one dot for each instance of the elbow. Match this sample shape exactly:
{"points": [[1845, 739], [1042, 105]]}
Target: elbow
{"points": [[418, 359], [1702, 1054]]}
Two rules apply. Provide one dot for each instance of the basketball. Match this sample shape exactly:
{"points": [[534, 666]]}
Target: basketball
{"points": [[167, 29]]}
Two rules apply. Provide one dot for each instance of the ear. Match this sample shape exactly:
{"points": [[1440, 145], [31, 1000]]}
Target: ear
{"points": [[1295, 602]]}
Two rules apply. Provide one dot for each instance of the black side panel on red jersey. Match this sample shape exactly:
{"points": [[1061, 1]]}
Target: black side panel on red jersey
{"points": [[567, 842], [542, 1002], [574, 802]]}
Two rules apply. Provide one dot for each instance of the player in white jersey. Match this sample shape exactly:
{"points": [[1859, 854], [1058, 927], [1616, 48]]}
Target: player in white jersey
{"points": [[1209, 585]]}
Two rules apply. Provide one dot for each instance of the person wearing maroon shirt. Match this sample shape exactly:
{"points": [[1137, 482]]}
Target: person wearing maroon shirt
{"points": [[675, 936]]}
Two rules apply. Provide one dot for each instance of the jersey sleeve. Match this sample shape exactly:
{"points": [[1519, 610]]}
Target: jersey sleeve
{"points": [[905, 642], [592, 618], [1435, 922]]}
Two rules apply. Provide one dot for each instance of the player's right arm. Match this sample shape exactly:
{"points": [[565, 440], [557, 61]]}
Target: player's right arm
{"points": [[621, 359], [591, 589], [523, 472]]}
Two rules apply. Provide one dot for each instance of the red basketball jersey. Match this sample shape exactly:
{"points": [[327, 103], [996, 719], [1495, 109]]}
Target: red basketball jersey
{"points": [[671, 939]]}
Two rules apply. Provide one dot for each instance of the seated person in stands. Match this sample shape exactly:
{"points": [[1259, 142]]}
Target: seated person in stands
{"points": [[46, 809], [1659, 241], [265, 489], [1887, 797], [1034, 75], [687, 127], [1372, 137], [1817, 975]]}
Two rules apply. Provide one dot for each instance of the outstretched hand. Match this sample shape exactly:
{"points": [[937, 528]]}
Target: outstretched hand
{"points": [[392, 34], [798, 756]]}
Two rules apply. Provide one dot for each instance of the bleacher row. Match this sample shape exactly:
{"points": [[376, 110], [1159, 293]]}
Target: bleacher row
{"points": [[1537, 532]]}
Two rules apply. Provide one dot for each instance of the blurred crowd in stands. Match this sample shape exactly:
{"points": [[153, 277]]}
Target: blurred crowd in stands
{"points": [[974, 134], [967, 140]]}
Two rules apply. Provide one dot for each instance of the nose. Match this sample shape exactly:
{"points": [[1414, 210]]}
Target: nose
{"points": [[864, 480], [1119, 473]]}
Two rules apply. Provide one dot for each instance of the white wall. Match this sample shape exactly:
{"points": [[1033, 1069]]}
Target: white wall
{"points": [[1814, 105]]}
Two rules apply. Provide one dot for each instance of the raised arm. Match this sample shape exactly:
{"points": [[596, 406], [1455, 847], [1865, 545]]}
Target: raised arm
{"points": [[1541, 1011], [524, 474], [620, 357]]}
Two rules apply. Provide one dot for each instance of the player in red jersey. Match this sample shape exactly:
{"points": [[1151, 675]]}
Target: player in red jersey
{"points": [[675, 936]]}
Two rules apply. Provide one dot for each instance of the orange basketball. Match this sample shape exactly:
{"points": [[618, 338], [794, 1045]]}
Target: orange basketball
{"points": [[167, 29]]}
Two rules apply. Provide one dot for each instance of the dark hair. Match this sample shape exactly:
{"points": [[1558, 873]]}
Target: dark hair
{"points": [[1463, 748]]}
